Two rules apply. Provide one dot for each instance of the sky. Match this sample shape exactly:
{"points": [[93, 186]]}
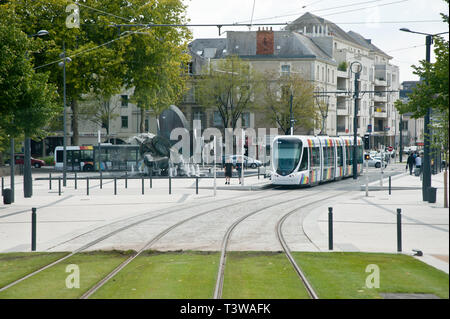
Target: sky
{"points": [[371, 18]]}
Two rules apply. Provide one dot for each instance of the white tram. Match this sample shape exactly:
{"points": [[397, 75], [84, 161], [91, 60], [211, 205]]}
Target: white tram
{"points": [[310, 160]]}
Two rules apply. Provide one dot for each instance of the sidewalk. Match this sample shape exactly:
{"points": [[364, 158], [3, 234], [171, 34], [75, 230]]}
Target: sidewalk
{"points": [[369, 224]]}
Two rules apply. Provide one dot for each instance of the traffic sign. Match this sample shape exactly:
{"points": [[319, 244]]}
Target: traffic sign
{"points": [[390, 148]]}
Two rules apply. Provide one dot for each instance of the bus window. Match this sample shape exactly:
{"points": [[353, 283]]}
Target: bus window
{"points": [[304, 163], [87, 156]]}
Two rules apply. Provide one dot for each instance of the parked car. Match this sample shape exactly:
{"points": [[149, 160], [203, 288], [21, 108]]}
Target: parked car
{"points": [[248, 161], [19, 160], [375, 161]]}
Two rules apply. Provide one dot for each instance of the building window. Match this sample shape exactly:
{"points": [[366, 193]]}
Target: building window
{"points": [[245, 121], [328, 75], [217, 119], [323, 73], [190, 68], [317, 73], [285, 69], [124, 121], [332, 76], [124, 99]]}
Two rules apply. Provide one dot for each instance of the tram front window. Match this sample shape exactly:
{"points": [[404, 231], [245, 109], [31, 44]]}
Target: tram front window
{"points": [[287, 155]]}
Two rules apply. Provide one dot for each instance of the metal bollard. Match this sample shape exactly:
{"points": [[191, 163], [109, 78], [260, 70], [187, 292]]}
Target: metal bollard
{"points": [[170, 185], [126, 179], [101, 180], [87, 186], [389, 185], [330, 228], [399, 229], [142, 184], [151, 179], [196, 185], [115, 185], [258, 172], [3, 185], [76, 181], [49, 181], [59, 186], [33, 229]]}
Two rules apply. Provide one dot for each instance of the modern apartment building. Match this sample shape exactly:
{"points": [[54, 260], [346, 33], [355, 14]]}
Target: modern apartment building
{"points": [[412, 131]]}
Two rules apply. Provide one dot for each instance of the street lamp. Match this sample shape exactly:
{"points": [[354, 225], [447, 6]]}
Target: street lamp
{"points": [[426, 167], [27, 178], [356, 68], [63, 65]]}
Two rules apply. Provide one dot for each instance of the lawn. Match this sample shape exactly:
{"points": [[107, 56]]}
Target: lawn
{"points": [[51, 283], [178, 275], [14, 266], [343, 275], [261, 275]]}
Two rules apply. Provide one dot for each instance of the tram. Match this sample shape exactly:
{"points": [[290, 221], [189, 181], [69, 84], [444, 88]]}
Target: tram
{"points": [[310, 160]]}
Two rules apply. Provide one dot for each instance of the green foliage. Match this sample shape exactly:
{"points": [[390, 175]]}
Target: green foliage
{"points": [[342, 66], [229, 85], [276, 94]]}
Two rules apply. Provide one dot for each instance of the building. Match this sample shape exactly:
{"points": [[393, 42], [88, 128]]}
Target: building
{"points": [[412, 128]]}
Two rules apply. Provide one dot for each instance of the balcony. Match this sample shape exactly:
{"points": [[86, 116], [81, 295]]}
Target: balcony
{"points": [[379, 112], [380, 82], [342, 74], [379, 97], [342, 108]]}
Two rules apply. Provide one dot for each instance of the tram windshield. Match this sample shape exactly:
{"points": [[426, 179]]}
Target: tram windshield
{"points": [[287, 155]]}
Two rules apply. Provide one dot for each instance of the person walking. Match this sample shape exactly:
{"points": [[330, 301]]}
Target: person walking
{"points": [[228, 167], [419, 163], [239, 170], [410, 162]]}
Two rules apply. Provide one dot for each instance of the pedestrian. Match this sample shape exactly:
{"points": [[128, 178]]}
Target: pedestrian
{"points": [[239, 170], [228, 167], [410, 162], [419, 163]]}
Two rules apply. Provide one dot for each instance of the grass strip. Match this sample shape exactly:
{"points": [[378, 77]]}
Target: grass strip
{"points": [[261, 275], [339, 275], [14, 266], [168, 275], [51, 283]]}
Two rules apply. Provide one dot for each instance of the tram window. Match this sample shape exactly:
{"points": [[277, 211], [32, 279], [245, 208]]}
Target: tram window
{"points": [[350, 155], [315, 157], [360, 154], [87, 155], [325, 156], [59, 156], [304, 163], [340, 158], [330, 157]]}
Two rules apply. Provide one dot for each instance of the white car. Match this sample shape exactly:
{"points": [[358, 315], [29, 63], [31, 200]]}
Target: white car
{"points": [[248, 161], [375, 161]]}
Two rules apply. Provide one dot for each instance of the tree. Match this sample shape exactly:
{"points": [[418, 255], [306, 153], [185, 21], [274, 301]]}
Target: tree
{"points": [[99, 110], [155, 56], [433, 92], [27, 100], [276, 94], [229, 85]]}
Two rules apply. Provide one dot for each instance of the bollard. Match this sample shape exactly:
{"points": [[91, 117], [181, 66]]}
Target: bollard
{"points": [[3, 185], [399, 229], [330, 228], [389, 185], [142, 184], [87, 186], [59, 186], [258, 172], [126, 179], [115, 185], [49, 181], [101, 179], [170, 185], [151, 179], [196, 185], [76, 181], [33, 229]]}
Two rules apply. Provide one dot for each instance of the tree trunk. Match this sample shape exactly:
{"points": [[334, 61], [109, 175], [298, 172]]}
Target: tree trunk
{"points": [[142, 121], [75, 133]]}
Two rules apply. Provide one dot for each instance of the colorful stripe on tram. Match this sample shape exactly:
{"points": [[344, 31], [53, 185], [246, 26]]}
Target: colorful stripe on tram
{"points": [[313, 176], [304, 180]]}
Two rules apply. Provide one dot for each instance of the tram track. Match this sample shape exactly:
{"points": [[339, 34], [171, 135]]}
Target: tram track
{"points": [[123, 228], [225, 242]]}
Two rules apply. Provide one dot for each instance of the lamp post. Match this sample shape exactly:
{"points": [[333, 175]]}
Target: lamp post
{"points": [[27, 178], [426, 167], [63, 65], [356, 68]]}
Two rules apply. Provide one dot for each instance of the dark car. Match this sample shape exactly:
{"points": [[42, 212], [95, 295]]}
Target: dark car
{"points": [[19, 160]]}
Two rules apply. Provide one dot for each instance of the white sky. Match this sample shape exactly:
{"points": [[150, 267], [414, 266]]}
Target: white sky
{"points": [[386, 36]]}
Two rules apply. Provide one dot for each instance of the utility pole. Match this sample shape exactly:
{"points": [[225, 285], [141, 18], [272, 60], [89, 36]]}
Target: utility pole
{"points": [[400, 154], [292, 115], [356, 69]]}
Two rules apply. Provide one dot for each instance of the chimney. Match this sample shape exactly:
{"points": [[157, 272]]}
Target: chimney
{"points": [[265, 42]]}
